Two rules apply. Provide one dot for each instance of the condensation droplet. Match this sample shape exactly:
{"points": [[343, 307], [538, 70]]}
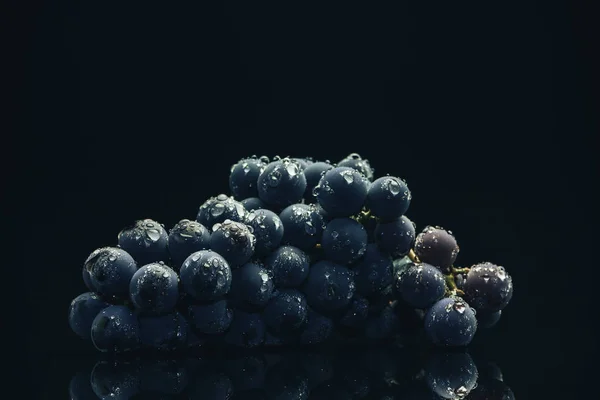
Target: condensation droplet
{"points": [[153, 234]]}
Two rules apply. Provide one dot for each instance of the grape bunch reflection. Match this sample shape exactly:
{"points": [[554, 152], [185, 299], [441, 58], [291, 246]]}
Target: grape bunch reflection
{"points": [[384, 372]]}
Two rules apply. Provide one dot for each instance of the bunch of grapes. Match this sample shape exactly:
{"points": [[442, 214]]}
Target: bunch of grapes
{"points": [[301, 252]]}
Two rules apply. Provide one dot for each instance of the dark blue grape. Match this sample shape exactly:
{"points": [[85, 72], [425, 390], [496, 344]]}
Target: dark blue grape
{"points": [[286, 312], [243, 177], [281, 183], [247, 330], [213, 318], [355, 161], [109, 270], [450, 322], [342, 192], [382, 325], [313, 174], [82, 311], [267, 229], [395, 237], [373, 271], [488, 287], [164, 332], [217, 209], [302, 226], [421, 285], [154, 288], [146, 241], [329, 286], [318, 328], [289, 266], [185, 238], [205, 275], [251, 287], [253, 203], [436, 246], [344, 240], [234, 241], [356, 314], [451, 375], [388, 197], [116, 329], [118, 379]]}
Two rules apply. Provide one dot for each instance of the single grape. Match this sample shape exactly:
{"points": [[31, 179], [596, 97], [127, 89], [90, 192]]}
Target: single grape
{"points": [[217, 209], [282, 183], [329, 286], [205, 275], [247, 330], [253, 203], [318, 328], [344, 240], [302, 226], [233, 241], [146, 241], [289, 266], [313, 174], [395, 237], [185, 238], [421, 285], [451, 375], [109, 270], [436, 246], [373, 271], [488, 287], [450, 322], [286, 312], [251, 287], [388, 198], [154, 289], [342, 191], [211, 319], [164, 332], [355, 161], [267, 229], [488, 319], [115, 329], [82, 311], [243, 177]]}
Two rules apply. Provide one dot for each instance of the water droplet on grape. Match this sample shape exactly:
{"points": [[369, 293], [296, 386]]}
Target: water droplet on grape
{"points": [[274, 178], [394, 187], [460, 307], [153, 234], [310, 228], [217, 210], [348, 176]]}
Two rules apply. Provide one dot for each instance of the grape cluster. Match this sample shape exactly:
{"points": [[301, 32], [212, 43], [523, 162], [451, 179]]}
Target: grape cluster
{"points": [[301, 252], [380, 372]]}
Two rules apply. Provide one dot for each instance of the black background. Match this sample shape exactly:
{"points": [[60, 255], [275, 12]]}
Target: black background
{"points": [[129, 110]]}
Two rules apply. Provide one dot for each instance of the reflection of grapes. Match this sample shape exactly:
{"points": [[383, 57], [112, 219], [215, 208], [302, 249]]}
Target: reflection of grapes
{"points": [[302, 252], [363, 373]]}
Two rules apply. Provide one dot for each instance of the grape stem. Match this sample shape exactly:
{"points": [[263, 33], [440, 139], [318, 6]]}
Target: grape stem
{"points": [[456, 271], [413, 256], [452, 289]]}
